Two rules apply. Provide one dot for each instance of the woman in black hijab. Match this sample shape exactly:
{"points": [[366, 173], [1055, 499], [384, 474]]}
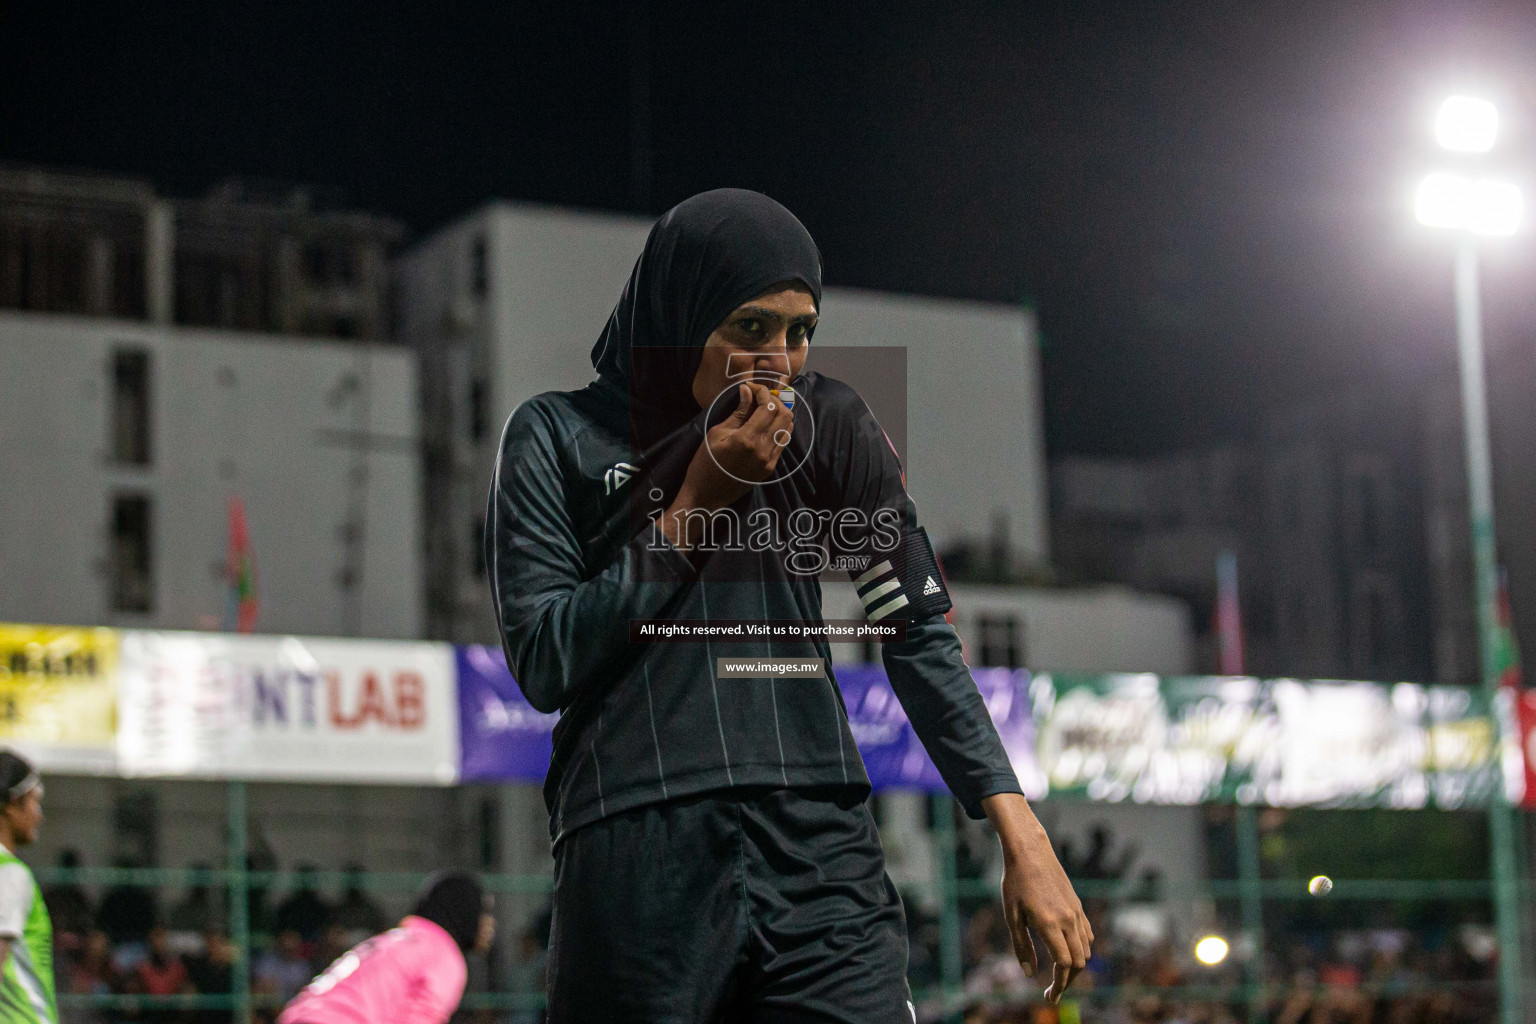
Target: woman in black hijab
{"points": [[715, 858], [703, 259]]}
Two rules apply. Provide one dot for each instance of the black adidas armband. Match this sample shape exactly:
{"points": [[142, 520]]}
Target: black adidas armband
{"points": [[905, 582]]}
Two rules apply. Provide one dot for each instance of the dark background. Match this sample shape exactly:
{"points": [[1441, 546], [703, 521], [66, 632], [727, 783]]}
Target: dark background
{"points": [[1208, 204]]}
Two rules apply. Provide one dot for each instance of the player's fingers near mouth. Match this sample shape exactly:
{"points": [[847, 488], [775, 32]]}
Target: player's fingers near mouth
{"points": [[766, 412], [744, 408]]}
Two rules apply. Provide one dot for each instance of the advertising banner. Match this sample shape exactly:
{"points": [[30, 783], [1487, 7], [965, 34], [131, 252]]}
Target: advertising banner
{"points": [[287, 708], [893, 754], [1279, 742], [501, 736], [1525, 714], [58, 699], [1369, 745], [217, 705]]}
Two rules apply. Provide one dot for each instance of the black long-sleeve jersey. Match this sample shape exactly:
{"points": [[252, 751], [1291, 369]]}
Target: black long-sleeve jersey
{"points": [[571, 567]]}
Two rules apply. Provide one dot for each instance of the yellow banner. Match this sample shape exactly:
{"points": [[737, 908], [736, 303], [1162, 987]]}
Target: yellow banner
{"points": [[57, 686]]}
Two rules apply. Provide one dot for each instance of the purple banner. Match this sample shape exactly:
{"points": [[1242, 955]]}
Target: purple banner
{"points": [[503, 739], [893, 754]]}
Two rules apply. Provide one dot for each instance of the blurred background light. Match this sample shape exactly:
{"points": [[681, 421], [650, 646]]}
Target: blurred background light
{"points": [[1467, 124], [1211, 950]]}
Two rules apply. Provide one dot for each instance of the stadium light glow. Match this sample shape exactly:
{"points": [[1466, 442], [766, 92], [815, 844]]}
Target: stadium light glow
{"points": [[1211, 950], [1483, 206], [1496, 208], [1467, 124]]}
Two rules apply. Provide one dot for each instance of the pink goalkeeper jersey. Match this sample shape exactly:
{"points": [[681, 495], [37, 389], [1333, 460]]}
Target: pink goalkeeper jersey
{"points": [[413, 974]]}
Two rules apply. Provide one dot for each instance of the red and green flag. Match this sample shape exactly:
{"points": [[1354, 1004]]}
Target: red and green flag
{"points": [[1505, 647], [240, 603]]}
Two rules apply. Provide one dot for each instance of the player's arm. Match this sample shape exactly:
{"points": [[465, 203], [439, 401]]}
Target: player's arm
{"points": [[872, 524], [935, 687], [437, 991], [1037, 894], [559, 630], [16, 895]]}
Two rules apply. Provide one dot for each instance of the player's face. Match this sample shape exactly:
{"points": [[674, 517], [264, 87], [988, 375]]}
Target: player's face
{"points": [[766, 338], [26, 816], [486, 933]]}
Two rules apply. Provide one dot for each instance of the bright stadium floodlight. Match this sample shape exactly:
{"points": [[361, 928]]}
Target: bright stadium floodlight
{"points": [[1484, 206], [1466, 124], [1494, 208], [1442, 201]]}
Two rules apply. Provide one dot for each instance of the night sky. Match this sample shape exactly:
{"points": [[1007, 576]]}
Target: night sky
{"points": [[1208, 204]]}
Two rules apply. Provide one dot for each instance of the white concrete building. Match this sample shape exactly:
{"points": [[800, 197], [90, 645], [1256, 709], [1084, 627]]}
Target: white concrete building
{"points": [[124, 441], [1050, 629]]}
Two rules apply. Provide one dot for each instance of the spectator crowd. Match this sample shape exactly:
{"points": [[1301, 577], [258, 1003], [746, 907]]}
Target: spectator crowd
{"points": [[127, 944], [1144, 971]]}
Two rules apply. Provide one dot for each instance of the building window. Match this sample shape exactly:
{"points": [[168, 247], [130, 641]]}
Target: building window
{"points": [[477, 545], [133, 587], [1000, 642], [130, 406], [479, 414], [479, 269], [329, 264]]}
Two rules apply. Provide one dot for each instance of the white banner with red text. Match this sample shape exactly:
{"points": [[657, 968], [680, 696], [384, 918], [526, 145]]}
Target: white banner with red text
{"points": [[286, 708]]}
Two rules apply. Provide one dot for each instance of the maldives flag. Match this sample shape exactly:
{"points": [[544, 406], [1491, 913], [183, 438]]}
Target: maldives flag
{"points": [[1506, 649], [240, 604], [1229, 617]]}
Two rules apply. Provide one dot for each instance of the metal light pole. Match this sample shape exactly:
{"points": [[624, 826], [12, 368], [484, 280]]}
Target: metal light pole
{"points": [[1474, 408], [1480, 207]]}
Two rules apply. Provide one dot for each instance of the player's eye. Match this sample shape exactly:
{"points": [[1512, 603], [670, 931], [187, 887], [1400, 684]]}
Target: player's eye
{"points": [[750, 325], [798, 333]]}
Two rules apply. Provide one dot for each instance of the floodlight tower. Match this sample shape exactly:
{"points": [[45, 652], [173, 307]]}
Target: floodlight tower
{"points": [[1473, 207]]}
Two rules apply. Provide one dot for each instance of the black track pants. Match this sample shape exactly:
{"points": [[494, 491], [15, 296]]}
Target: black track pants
{"points": [[750, 906]]}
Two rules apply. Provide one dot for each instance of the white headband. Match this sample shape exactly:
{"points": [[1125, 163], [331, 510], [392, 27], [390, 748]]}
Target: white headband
{"points": [[25, 786]]}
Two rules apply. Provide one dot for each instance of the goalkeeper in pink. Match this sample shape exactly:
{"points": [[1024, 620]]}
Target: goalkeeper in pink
{"points": [[413, 973]]}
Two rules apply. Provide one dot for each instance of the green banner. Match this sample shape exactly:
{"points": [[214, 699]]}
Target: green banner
{"points": [[1281, 742]]}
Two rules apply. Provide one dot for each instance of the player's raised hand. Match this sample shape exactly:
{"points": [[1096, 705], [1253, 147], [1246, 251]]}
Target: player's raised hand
{"points": [[738, 452]]}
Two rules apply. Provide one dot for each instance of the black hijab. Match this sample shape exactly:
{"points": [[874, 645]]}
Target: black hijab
{"points": [[703, 258], [454, 901]]}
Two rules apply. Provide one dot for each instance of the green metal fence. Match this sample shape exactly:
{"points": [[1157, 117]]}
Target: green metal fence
{"points": [[1249, 891]]}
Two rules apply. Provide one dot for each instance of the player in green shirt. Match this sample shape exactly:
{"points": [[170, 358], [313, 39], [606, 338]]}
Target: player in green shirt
{"points": [[26, 933]]}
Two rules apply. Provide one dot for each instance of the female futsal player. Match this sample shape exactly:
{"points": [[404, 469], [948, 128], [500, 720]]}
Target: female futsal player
{"points": [[412, 974], [714, 855]]}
